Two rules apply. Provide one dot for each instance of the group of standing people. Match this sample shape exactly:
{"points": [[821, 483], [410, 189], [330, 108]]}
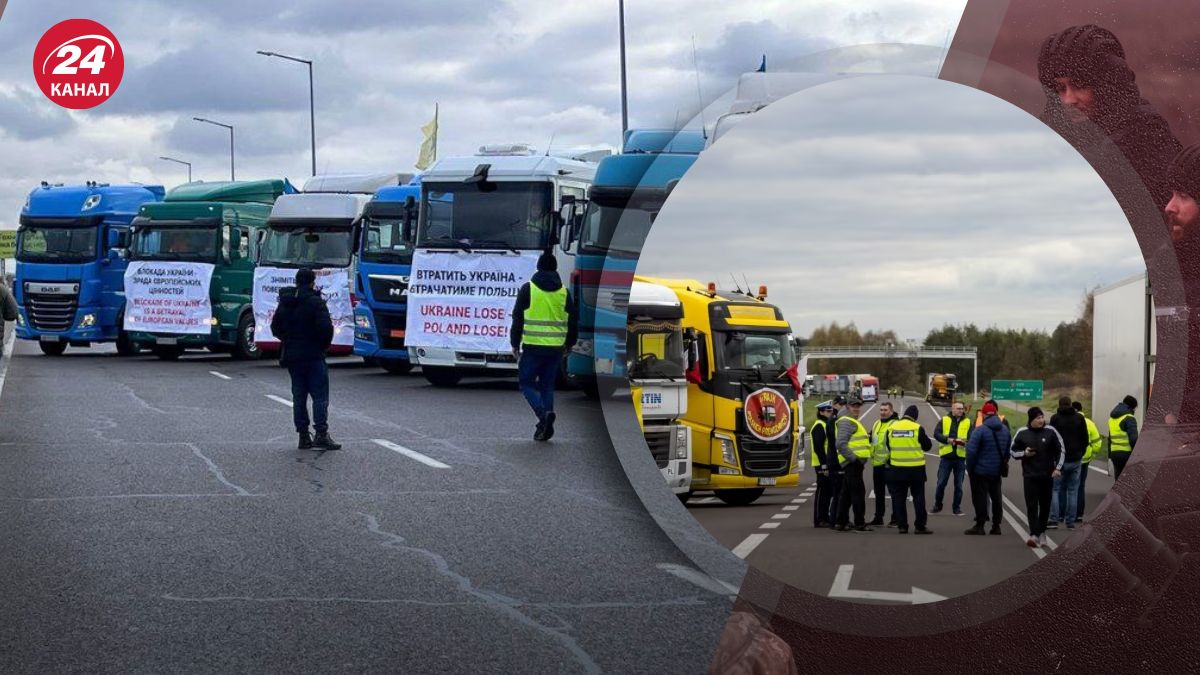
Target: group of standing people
{"points": [[1055, 457]]}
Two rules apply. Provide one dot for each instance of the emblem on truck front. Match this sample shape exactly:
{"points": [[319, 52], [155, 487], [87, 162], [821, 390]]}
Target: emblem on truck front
{"points": [[768, 414]]}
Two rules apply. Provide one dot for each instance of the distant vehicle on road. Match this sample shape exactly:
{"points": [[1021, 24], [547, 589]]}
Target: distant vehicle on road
{"points": [[940, 388]]}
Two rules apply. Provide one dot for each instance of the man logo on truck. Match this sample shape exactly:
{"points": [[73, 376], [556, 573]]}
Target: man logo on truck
{"points": [[768, 416]]}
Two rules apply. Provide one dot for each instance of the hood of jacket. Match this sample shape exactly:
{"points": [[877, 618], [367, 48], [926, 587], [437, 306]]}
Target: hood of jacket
{"points": [[548, 281], [1120, 411], [993, 422], [1067, 411], [292, 297]]}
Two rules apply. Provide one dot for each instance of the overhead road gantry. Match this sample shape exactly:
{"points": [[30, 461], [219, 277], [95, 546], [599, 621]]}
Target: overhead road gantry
{"points": [[892, 351]]}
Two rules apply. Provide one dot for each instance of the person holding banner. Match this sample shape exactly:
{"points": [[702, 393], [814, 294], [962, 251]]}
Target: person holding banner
{"points": [[543, 330], [305, 331]]}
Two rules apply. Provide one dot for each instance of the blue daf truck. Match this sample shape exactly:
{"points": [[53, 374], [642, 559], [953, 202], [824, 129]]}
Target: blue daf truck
{"points": [[71, 263], [385, 252]]}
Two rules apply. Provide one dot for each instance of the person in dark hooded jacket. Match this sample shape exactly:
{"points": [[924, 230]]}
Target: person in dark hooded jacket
{"points": [[1071, 426], [305, 331], [1122, 434], [544, 328], [987, 455], [1092, 99]]}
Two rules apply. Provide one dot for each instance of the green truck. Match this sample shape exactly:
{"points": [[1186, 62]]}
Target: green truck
{"points": [[189, 284]]}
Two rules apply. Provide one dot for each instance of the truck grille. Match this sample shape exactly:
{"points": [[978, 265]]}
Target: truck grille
{"points": [[386, 322], [765, 459], [660, 446], [51, 312], [612, 299]]}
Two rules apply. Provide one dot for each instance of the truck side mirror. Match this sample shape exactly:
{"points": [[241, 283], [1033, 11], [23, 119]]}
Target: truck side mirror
{"points": [[113, 239], [410, 215]]}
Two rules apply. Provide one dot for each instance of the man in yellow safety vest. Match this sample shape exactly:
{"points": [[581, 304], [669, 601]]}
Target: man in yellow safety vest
{"points": [[952, 432], [905, 445], [1122, 434], [879, 469], [543, 331], [1095, 440], [854, 452]]}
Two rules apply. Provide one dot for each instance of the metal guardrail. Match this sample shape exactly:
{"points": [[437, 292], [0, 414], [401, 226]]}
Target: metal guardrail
{"points": [[888, 348]]}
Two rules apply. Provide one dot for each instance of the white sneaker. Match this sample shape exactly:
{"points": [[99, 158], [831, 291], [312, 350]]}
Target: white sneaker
{"points": [[1031, 542], [1041, 540]]}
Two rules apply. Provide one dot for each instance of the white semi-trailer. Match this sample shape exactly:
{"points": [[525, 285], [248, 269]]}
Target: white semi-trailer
{"points": [[1123, 346]]}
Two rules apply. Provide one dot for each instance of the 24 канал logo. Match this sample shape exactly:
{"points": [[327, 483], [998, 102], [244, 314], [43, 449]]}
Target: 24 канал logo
{"points": [[78, 64]]}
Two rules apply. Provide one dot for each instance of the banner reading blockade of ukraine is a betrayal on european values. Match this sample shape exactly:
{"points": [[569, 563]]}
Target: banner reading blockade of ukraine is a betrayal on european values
{"points": [[464, 301], [334, 285], [168, 297]]}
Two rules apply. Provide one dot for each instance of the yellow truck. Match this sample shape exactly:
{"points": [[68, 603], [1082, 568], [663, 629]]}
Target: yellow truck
{"points": [[742, 404], [656, 364]]}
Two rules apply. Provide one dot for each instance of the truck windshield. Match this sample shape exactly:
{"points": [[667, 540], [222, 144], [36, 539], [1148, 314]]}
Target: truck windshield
{"points": [[57, 244], [513, 215], [772, 352], [655, 349], [384, 241], [308, 247], [615, 231], [197, 244]]}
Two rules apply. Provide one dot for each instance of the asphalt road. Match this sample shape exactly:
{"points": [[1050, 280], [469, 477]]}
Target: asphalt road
{"points": [[158, 518], [776, 535]]}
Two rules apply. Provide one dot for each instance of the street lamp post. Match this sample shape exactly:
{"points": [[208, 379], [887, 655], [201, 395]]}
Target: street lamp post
{"points": [[180, 161], [312, 118], [624, 99], [230, 128]]}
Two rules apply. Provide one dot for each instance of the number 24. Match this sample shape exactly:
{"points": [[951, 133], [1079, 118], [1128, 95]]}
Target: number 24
{"points": [[94, 61]]}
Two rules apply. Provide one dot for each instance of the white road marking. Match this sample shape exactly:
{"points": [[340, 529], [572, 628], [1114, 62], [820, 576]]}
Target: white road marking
{"points": [[411, 454], [1050, 543], [1093, 467], [802, 500], [799, 500], [768, 526], [707, 500], [223, 376], [1020, 531], [841, 589], [279, 399], [699, 578], [790, 508], [748, 544], [781, 516]]}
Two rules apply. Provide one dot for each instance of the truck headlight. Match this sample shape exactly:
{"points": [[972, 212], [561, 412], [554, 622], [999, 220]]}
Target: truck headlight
{"points": [[728, 454], [362, 321], [681, 442], [212, 321], [87, 321], [20, 319]]}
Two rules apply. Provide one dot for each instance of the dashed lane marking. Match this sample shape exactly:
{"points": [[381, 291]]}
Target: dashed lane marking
{"points": [[790, 508], [768, 526], [748, 545], [279, 399], [223, 376], [781, 516], [411, 454]]}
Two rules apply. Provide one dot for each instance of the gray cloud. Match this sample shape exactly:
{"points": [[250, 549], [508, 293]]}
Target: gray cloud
{"points": [[27, 115]]}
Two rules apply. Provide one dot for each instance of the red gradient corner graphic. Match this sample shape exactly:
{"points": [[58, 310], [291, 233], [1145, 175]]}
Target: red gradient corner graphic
{"points": [[78, 64]]}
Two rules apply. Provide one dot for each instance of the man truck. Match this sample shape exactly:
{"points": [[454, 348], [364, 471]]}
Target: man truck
{"points": [[189, 282], [656, 369], [71, 263], [315, 228], [742, 406], [484, 220], [385, 251], [629, 191]]}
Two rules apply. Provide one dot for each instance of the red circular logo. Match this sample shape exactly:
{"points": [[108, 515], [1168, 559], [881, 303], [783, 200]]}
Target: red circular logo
{"points": [[78, 63], [768, 414]]}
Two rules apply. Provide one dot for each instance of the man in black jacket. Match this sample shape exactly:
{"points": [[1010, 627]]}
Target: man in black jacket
{"points": [[1071, 426], [544, 328], [820, 434], [303, 327], [1039, 447]]}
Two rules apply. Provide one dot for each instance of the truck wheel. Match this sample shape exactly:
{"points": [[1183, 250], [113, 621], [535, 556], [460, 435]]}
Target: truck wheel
{"points": [[168, 352], [246, 349], [125, 346], [53, 348], [396, 366], [740, 496], [441, 376]]}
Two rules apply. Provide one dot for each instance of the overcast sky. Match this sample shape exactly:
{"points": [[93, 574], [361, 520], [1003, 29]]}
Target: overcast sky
{"points": [[897, 202], [502, 71]]}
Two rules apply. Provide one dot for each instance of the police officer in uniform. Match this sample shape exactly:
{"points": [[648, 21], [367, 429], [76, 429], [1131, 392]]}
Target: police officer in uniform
{"points": [[905, 444], [820, 436]]}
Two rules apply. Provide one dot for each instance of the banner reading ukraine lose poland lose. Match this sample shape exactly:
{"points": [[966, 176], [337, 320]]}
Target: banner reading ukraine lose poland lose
{"points": [[168, 297], [464, 301]]}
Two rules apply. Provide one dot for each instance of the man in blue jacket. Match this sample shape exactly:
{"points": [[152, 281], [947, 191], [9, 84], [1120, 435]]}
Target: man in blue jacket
{"points": [[987, 450]]}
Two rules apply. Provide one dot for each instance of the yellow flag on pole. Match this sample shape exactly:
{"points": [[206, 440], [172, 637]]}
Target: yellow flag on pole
{"points": [[428, 152]]}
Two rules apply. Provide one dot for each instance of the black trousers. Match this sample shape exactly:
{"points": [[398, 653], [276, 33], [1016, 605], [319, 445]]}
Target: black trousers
{"points": [[1038, 493], [901, 488], [829, 508], [1118, 459], [983, 489], [821, 501], [310, 379], [879, 483], [854, 493]]}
